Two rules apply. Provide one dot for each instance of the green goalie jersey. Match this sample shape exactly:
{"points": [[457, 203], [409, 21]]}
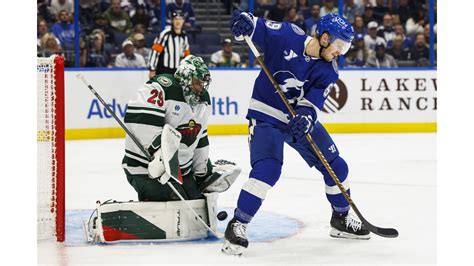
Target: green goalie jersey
{"points": [[160, 101]]}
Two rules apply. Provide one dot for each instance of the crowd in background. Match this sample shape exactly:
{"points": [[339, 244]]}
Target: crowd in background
{"points": [[388, 33]]}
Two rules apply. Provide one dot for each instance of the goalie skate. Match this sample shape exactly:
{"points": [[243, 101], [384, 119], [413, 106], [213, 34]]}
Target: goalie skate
{"points": [[348, 226], [235, 238]]}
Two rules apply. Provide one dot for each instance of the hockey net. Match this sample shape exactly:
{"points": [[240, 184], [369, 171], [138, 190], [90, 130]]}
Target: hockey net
{"points": [[50, 148]]}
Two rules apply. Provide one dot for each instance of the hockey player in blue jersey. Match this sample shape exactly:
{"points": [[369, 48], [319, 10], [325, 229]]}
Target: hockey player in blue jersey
{"points": [[306, 70]]}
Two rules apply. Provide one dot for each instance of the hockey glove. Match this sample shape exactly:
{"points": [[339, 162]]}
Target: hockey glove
{"points": [[156, 169], [241, 23], [302, 122]]}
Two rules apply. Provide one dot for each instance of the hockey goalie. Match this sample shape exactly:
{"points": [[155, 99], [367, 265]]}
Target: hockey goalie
{"points": [[169, 118]]}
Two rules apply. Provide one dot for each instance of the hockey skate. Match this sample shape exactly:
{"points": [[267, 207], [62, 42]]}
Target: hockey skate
{"points": [[235, 238], [348, 226]]}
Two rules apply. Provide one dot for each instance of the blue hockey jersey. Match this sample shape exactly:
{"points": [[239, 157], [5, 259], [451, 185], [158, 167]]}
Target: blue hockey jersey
{"points": [[305, 80]]}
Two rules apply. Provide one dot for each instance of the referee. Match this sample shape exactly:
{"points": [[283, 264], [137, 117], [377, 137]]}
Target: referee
{"points": [[169, 48]]}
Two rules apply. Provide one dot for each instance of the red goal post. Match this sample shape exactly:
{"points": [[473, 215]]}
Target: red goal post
{"points": [[50, 149]]}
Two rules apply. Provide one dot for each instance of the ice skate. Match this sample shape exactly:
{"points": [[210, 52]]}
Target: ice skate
{"points": [[348, 226], [235, 238]]}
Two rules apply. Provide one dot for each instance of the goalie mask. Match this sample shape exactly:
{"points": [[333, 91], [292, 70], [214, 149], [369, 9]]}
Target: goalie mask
{"points": [[193, 75]]}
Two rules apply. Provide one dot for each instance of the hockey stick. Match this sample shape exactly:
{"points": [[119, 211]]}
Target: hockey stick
{"points": [[147, 154], [385, 232]]}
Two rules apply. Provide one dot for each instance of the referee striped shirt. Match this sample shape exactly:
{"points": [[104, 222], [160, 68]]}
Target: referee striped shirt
{"points": [[167, 50]]}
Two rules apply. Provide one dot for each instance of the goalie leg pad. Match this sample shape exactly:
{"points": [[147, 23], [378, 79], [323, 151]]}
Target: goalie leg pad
{"points": [[224, 175], [148, 222]]}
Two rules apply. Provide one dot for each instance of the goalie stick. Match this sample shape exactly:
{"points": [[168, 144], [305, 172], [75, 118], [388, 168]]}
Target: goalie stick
{"points": [[147, 154], [384, 232]]}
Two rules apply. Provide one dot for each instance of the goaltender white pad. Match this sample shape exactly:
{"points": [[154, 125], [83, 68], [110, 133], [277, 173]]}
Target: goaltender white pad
{"points": [[117, 222]]}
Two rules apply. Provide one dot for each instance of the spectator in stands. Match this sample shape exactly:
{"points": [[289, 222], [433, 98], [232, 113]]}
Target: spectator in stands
{"points": [[359, 26], [380, 9], [400, 31], [58, 5], [154, 11], [225, 57], [427, 37], [420, 51], [278, 11], [303, 9], [371, 38], [359, 53], [169, 47], [262, 7], [82, 52], [42, 30], [141, 17], [42, 11], [117, 18], [140, 46], [109, 47], [351, 10], [139, 28], [380, 59], [415, 23], [386, 30], [368, 14], [427, 32], [64, 30], [310, 23], [129, 59], [398, 51], [293, 17], [187, 11], [100, 22], [329, 7], [87, 11], [49, 45], [395, 19], [97, 56], [403, 11]]}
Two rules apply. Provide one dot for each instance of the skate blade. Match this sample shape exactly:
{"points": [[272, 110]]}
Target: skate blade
{"points": [[232, 249], [339, 234]]}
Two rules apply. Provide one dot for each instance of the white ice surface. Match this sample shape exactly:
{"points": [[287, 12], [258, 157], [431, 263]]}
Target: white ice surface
{"points": [[393, 183]]}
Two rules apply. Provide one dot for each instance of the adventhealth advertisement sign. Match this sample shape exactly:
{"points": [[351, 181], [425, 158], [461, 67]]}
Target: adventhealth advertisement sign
{"points": [[357, 97]]}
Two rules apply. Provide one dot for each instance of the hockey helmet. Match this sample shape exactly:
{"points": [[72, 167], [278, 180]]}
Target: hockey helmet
{"points": [[339, 29], [192, 67]]}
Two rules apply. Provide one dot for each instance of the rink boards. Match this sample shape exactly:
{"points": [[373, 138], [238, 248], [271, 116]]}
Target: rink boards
{"points": [[360, 102]]}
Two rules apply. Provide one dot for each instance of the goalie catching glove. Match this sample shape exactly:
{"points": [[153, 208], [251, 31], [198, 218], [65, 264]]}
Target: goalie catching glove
{"points": [[224, 174]]}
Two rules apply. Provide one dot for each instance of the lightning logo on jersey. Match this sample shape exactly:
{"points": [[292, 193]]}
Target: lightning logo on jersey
{"points": [[290, 85]]}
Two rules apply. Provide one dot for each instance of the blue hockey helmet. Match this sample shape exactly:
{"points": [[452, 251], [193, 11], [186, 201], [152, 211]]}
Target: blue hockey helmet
{"points": [[338, 28]]}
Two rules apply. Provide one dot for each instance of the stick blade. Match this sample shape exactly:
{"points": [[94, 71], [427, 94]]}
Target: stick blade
{"points": [[384, 232]]}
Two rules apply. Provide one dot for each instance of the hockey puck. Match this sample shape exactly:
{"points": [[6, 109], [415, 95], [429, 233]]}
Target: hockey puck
{"points": [[221, 216]]}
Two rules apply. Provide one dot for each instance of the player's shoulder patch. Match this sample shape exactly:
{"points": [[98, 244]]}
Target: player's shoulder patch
{"points": [[164, 81], [297, 29], [273, 25]]}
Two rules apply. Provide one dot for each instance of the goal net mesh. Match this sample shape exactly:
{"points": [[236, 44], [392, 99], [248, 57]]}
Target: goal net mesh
{"points": [[50, 201]]}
